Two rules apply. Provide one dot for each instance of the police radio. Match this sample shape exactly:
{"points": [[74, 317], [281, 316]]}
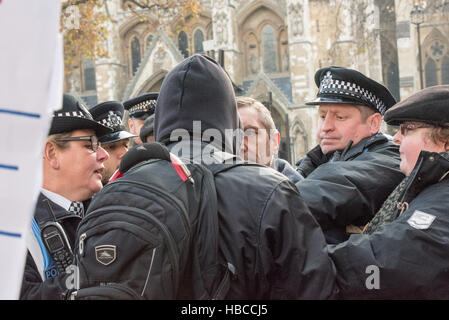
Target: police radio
{"points": [[56, 242]]}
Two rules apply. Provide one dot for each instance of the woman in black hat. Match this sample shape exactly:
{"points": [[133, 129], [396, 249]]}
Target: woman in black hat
{"points": [[403, 252], [72, 166]]}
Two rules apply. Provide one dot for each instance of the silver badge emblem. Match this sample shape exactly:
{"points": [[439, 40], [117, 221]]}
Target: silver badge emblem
{"points": [[105, 254], [420, 220], [114, 121], [326, 81]]}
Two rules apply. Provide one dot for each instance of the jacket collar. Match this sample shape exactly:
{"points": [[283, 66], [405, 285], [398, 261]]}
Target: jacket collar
{"points": [[45, 207], [318, 158], [430, 168], [363, 145]]}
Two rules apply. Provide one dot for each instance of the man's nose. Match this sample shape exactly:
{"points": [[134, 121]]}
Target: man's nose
{"points": [[327, 124], [102, 154]]}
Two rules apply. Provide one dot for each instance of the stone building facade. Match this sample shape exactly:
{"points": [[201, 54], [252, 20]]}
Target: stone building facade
{"points": [[271, 49]]}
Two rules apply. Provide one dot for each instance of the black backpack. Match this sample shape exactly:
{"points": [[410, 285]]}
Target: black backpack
{"points": [[140, 238]]}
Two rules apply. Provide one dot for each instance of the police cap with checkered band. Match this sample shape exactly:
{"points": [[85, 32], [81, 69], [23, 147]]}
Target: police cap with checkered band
{"points": [[340, 85], [74, 116], [142, 106], [110, 114]]}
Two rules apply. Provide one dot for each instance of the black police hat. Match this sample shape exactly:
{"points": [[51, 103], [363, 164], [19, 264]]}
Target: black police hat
{"points": [[110, 114], [429, 105], [347, 86], [74, 116], [142, 106], [147, 128]]}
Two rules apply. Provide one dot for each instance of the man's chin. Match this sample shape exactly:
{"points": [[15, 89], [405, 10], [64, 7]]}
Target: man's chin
{"points": [[326, 149]]}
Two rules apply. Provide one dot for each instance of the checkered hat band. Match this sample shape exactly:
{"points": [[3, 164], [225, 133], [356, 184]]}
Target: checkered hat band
{"points": [[111, 124], [351, 89], [78, 114], [143, 106]]}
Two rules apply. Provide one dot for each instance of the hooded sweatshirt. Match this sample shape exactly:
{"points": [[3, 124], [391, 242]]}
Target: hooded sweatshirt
{"points": [[187, 94], [266, 231]]}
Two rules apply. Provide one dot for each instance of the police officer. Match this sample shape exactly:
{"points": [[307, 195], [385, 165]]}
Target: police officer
{"points": [[110, 114], [355, 167], [403, 253], [140, 108], [72, 167]]}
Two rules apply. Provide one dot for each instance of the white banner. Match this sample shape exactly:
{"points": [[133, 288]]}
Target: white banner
{"points": [[31, 77]]}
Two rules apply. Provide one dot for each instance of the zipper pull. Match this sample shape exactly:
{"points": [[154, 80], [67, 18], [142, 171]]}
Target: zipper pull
{"points": [[402, 206], [81, 245]]}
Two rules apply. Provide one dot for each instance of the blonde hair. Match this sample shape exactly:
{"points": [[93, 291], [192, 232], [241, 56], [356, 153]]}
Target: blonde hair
{"points": [[264, 113], [60, 144]]}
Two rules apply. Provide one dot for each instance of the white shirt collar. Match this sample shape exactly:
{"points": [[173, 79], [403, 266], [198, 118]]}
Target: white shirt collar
{"points": [[57, 198]]}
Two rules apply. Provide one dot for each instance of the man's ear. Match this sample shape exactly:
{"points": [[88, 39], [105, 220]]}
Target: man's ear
{"points": [[275, 142], [374, 121], [51, 154], [131, 125]]}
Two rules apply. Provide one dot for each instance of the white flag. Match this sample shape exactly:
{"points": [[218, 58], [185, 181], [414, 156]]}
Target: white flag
{"points": [[31, 75]]}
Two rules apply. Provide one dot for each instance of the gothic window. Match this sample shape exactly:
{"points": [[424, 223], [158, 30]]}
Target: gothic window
{"points": [[445, 70], [252, 54], [89, 75], [431, 73], [198, 38], [269, 49], [436, 61], [135, 54], [183, 44], [284, 52]]}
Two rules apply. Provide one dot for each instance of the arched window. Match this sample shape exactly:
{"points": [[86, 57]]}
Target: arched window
{"points": [[89, 75], [431, 73], [269, 49], [135, 54], [445, 70], [198, 39], [183, 44]]}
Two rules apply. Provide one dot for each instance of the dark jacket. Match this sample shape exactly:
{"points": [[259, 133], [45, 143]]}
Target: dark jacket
{"points": [[53, 288], [411, 252], [348, 188], [266, 230]]}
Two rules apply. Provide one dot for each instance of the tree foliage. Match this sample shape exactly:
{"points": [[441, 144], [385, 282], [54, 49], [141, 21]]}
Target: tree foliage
{"points": [[84, 30], [84, 23]]}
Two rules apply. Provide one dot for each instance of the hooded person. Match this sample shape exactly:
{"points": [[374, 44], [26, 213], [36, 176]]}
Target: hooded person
{"points": [[266, 230]]}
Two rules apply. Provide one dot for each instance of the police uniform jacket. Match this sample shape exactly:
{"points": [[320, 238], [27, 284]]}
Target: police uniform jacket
{"points": [[407, 258], [53, 288], [347, 188]]}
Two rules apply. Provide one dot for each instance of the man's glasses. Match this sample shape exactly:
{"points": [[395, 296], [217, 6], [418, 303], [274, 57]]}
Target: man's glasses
{"points": [[405, 127], [94, 143]]}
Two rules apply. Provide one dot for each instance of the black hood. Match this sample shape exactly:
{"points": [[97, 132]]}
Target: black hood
{"points": [[197, 89]]}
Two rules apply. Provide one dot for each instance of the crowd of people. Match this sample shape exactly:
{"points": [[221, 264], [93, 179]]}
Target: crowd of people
{"points": [[362, 215]]}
